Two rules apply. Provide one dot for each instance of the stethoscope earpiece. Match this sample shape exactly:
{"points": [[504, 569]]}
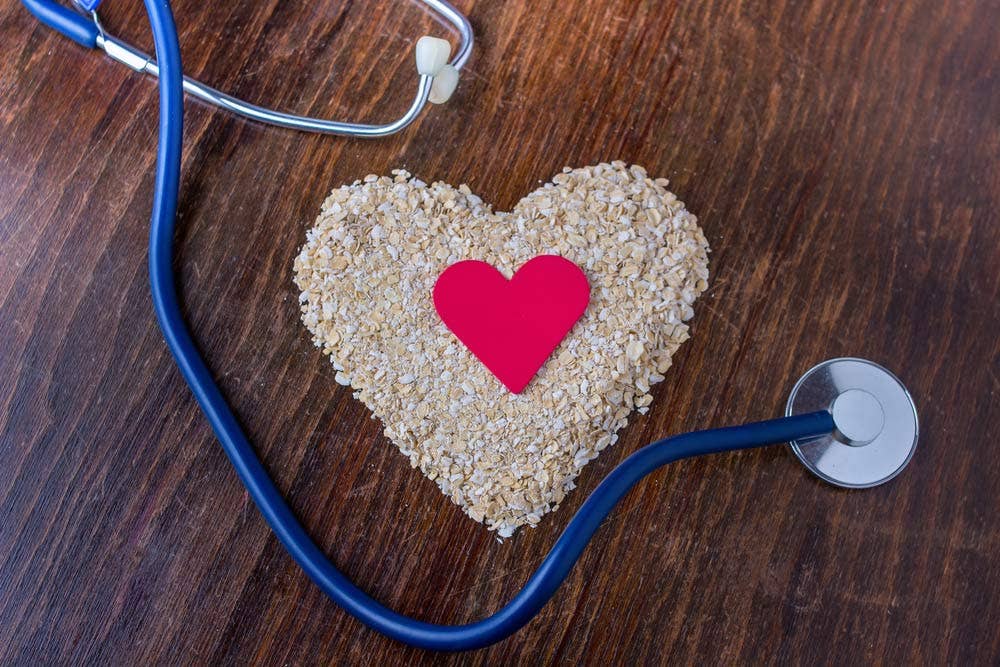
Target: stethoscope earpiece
{"points": [[876, 422]]}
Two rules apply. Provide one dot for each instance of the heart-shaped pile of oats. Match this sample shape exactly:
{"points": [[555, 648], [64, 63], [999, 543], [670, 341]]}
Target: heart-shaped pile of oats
{"points": [[367, 272]]}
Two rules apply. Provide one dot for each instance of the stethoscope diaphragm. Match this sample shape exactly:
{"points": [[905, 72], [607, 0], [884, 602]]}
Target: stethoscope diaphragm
{"points": [[876, 421]]}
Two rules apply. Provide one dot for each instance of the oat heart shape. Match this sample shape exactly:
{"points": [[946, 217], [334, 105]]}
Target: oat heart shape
{"points": [[512, 326], [366, 275]]}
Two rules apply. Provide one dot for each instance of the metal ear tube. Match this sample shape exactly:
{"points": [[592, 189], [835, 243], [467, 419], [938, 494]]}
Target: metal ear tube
{"points": [[435, 83]]}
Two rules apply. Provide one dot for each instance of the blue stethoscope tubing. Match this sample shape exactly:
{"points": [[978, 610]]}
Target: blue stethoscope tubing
{"points": [[554, 568]]}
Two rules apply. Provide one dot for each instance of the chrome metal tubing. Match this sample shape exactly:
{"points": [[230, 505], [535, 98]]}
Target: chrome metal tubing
{"points": [[135, 59]]}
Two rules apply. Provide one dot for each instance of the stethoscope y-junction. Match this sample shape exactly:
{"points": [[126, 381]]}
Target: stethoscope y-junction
{"points": [[850, 421]]}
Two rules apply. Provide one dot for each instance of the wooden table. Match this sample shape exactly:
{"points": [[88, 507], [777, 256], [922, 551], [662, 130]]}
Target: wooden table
{"points": [[843, 160]]}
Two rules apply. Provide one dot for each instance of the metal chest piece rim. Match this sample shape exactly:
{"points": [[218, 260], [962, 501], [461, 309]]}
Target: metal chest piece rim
{"points": [[876, 422]]}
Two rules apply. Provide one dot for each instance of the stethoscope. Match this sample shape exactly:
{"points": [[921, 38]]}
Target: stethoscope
{"points": [[850, 421]]}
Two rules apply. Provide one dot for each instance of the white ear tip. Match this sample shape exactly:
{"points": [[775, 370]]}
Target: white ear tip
{"points": [[444, 84], [432, 54]]}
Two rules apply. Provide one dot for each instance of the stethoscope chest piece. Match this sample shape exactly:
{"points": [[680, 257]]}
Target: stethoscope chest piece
{"points": [[876, 422]]}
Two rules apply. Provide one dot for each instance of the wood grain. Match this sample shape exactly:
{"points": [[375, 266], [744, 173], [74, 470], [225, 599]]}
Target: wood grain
{"points": [[843, 160]]}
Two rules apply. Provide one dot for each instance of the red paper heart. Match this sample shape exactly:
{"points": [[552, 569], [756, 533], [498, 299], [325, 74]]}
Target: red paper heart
{"points": [[512, 326]]}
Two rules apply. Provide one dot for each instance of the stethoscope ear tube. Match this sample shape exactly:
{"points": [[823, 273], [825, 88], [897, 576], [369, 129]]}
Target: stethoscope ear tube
{"points": [[77, 27], [86, 29]]}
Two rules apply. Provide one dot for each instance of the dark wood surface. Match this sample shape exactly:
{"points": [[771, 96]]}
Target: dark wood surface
{"points": [[843, 160]]}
